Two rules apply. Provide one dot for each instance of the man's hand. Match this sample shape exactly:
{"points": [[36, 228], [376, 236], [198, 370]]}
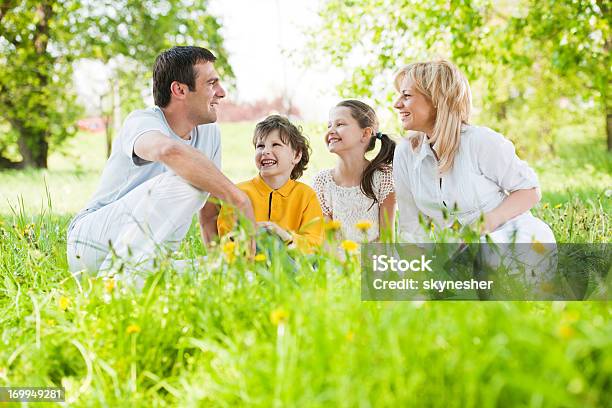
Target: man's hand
{"points": [[208, 221]]}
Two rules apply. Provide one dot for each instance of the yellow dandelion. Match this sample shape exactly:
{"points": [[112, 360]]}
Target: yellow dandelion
{"points": [[51, 322], [545, 206], [260, 258], [333, 225], [109, 285], [566, 332], [558, 206], [228, 249], [432, 226], [278, 316], [456, 225], [349, 246], [132, 328], [363, 225], [538, 247], [63, 303]]}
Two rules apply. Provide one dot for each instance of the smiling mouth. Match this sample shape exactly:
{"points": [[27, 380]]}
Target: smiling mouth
{"points": [[268, 163], [404, 115], [333, 140]]}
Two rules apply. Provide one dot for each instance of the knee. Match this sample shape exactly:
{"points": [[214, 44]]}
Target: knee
{"points": [[180, 189]]}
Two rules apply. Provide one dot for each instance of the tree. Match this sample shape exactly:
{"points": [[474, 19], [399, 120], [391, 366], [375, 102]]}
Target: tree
{"points": [[519, 54], [40, 40]]}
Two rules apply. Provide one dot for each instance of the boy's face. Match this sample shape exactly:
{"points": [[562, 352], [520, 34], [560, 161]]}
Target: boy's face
{"points": [[273, 157]]}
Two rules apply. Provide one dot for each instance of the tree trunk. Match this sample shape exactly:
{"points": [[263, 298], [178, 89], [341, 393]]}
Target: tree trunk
{"points": [[33, 145], [609, 128]]}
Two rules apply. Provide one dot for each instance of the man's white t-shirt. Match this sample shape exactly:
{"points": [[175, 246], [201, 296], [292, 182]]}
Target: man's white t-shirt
{"points": [[125, 171]]}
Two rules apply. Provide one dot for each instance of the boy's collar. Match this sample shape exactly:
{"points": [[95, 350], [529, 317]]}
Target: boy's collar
{"points": [[284, 191]]}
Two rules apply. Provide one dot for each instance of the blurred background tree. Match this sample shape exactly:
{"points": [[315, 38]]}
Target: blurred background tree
{"points": [[534, 65], [40, 41]]}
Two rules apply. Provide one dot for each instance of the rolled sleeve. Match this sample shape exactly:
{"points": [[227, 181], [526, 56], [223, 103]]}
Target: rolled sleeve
{"points": [[497, 160], [134, 127]]}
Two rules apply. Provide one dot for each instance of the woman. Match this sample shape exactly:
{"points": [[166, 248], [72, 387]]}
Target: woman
{"points": [[453, 170]]}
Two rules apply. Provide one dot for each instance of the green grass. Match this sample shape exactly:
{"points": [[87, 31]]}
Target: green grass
{"points": [[269, 334]]}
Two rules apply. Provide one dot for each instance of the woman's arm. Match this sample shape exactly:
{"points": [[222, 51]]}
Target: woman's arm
{"points": [[497, 160], [515, 204]]}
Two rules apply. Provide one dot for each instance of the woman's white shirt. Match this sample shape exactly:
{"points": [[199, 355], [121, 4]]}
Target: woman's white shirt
{"points": [[486, 169]]}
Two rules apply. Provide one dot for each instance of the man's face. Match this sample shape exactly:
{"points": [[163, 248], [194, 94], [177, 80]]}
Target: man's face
{"points": [[202, 102]]}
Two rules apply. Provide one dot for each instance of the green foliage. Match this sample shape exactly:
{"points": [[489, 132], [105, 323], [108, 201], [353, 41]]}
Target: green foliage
{"points": [[534, 65], [40, 40]]}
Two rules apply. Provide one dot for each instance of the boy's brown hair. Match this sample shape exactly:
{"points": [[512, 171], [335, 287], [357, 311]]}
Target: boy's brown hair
{"points": [[289, 134]]}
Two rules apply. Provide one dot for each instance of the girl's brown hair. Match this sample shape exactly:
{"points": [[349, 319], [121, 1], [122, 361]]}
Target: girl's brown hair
{"points": [[366, 118]]}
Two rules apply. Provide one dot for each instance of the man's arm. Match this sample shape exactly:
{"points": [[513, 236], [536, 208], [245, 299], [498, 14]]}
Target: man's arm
{"points": [[208, 221], [193, 166]]}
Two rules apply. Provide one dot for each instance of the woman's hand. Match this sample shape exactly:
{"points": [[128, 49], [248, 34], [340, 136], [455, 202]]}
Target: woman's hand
{"points": [[492, 220], [514, 205]]}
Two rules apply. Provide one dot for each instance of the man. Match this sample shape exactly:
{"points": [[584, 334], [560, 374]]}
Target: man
{"points": [[164, 164]]}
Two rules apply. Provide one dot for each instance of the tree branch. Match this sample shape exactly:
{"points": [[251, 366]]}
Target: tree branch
{"points": [[6, 6]]}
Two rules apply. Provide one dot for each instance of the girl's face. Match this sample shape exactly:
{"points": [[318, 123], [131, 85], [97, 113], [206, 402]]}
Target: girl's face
{"points": [[273, 157], [344, 133], [415, 109]]}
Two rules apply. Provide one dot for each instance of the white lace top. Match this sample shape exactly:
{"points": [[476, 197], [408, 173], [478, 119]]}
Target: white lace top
{"points": [[349, 205]]}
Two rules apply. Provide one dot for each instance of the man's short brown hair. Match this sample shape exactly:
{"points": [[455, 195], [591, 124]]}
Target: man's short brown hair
{"points": [[289, 134], [176, 64]]}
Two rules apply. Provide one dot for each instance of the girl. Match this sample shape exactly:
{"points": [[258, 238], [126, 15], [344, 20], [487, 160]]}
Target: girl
{"points": [[357, 192], [452, 167]]}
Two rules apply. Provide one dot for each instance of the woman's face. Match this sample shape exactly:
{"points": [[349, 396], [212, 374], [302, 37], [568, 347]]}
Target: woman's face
{"points": [[415, 109]]}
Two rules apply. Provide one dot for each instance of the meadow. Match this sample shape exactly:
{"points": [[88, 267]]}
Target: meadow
{"points": [[270, 332]]}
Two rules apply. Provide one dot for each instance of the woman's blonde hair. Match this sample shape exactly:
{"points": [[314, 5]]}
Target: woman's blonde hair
{"points": [[449, 92]]}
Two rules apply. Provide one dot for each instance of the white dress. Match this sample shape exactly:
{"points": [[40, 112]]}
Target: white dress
{"points": [[349, 205], [486, 169]]}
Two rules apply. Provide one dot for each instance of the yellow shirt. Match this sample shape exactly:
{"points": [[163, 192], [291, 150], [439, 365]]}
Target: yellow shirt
{"points": [[293, 207]]}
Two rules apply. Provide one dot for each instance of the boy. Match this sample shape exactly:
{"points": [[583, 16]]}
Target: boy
{"points": [[283, 206]]}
